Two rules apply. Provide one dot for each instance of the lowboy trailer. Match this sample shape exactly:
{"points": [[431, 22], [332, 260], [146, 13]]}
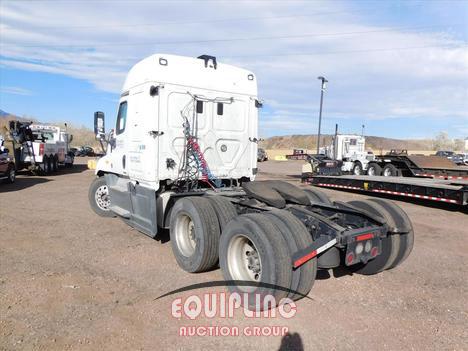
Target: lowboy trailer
{"points": [[184, 157], [402, 164], [440, 190]]}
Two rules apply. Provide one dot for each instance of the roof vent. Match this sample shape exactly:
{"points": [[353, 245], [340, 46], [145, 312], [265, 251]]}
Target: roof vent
{"points": [[207, 59]]}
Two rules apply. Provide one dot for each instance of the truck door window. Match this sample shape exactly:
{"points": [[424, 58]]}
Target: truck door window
{"points": [[121, 118], [353, 142]]}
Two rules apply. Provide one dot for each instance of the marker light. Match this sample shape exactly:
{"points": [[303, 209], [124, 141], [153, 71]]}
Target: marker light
{"points": [[359, 248], [368, 246]]}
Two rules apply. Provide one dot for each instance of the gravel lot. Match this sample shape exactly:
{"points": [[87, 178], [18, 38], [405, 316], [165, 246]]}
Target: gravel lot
{"points": [[72, 280]]}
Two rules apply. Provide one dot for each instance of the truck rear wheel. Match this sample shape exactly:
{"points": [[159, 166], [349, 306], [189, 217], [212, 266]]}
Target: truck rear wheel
{"points": [[225, 210], [11, 174], [317, 196], [98, 196], [374, 170], [46, 166], [402, 221], [54, 161], [390, 244], [252, 251], [194, 232], [390, 171], [303, 278]]}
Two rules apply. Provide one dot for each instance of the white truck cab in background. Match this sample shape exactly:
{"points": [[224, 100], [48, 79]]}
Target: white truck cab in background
{"points": [[349, 148], [164, 97]]}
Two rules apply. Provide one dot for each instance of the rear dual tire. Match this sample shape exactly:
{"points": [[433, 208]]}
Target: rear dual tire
{"points": [[374, 170], [194, 232], [254, 254], [399, 242], [317, 197]]}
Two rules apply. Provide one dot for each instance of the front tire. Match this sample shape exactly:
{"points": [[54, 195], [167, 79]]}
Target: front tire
{"points": [[357, 168], [98, 196]]}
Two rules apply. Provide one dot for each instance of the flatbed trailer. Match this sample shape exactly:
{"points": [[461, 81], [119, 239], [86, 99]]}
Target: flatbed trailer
{"points": [[441, 190]]}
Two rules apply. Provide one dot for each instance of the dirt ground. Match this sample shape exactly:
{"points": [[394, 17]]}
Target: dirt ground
{"points": [[70, 280]]}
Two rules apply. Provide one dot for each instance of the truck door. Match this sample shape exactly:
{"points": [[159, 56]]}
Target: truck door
{"points": [[119, 146], [144, 134]]}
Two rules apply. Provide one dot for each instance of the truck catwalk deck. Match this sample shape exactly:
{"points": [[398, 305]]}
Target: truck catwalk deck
{"points": [[449, 191]]}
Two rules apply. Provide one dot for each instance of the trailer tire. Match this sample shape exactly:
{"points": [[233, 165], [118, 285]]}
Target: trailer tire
{"points": [[317, 197], [390, 244], [357, 168], [253, 250], [194, 232], [303, 278], [402, 221], [390, 171], [98, 196], [374, 170], [225, 210]]}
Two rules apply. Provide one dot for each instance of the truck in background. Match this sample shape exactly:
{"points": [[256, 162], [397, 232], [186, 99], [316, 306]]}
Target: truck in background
{"points": [[183, 157], [7, 165], [350, 149], [40, 148]]}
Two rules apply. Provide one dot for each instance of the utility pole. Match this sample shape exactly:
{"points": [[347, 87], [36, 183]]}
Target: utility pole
{"points": [[324, 86], [363, 127]]}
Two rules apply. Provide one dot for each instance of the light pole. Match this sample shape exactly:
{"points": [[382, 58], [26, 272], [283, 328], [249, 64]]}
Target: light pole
{"points": [[324, 86]]}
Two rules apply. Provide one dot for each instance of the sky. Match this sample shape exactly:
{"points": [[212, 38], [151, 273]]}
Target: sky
{"points": [[398, 67]]}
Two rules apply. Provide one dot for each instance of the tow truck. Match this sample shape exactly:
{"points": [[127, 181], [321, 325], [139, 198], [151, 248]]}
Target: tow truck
{"points": [[40, 148], [183, 157]]}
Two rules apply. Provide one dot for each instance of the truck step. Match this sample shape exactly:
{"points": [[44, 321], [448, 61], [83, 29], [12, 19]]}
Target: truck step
{"points": [[120, 211]]}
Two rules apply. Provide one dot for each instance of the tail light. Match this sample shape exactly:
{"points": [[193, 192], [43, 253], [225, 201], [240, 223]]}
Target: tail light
{"points": [[41, 149]]}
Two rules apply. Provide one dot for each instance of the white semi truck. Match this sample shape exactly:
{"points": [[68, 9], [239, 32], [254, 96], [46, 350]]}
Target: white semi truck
{"points": [[351, 149], [40, 148], [183, 156]]}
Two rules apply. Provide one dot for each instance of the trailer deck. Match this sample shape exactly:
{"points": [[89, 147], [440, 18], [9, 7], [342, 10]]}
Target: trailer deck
{"points": [[449, 191]]}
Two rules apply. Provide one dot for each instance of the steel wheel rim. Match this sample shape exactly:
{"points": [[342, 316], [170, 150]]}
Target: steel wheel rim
{"points": [[371, 171], [12, 175], [102, 197], [244, 261], [185, 235], [387, 173], [357, 170]]}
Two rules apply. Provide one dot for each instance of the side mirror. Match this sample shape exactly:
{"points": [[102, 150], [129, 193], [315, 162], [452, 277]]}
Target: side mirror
{"points": [[99, 126], [70, 138]]}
